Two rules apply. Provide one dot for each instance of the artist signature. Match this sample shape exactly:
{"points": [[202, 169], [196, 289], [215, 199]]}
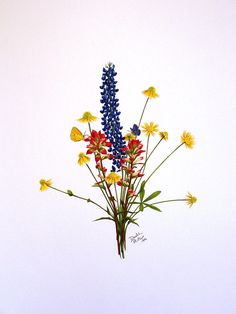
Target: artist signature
{"points": [[138, 237]]}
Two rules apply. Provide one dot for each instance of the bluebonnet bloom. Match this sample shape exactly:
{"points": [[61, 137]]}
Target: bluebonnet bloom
{"points": [[111, 115], [135, 130]]}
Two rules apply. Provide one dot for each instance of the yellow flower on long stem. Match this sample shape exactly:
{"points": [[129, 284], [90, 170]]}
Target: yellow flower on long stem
{"points": [[83, 159], [113, 177], [187, 139], [190, 199], [87, 117], [149, 129], [151, 92], [44, 184], [164, 135]]}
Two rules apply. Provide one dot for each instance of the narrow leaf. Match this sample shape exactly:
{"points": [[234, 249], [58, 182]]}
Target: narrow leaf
{"points": [[153, 207], [104, 218], [142, 190], [132, 221], [153, 195]]}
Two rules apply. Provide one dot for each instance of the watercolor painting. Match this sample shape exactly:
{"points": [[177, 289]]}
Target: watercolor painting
{"points": [[122, 187]]}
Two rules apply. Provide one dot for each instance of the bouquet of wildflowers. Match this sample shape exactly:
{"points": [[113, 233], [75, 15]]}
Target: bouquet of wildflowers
{"points": [[120, 160]]}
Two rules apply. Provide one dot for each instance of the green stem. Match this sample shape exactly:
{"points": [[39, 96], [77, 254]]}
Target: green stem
{"points": [[155, 169], [163, 161], [134, 212], [80, 197], [152, 152], [160, 202], [143, 112], [115, 213], [105, 196], [117, 199], [89, 127], [146, 157], [146, 160], [143, 167], [174, 200], [122, 189]]}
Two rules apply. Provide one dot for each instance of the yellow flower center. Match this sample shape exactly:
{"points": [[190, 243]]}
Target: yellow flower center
{"points": [[150, 129]]}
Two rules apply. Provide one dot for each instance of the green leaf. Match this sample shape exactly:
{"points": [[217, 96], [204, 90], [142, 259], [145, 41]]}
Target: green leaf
{"points": [[104, 218], [131, 220], [153, 207], [142, 190], [141, 207], [153, 195]]}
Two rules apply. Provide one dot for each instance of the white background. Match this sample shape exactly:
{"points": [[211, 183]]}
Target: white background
{"points": [[53, 258]]}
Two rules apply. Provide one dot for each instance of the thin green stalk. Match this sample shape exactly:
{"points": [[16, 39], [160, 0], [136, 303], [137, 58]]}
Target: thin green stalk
{"points": [[117, 199], [113, 208], [134, 212], [115, 213], [80, 197], [122, 188], [140, 120], [146, 157], [155, 169], [163, 161], [144, 166], [104, 188], [89, 127], [105, 196], [127, 193], [160, 202], [152, 152], [174, 200]]}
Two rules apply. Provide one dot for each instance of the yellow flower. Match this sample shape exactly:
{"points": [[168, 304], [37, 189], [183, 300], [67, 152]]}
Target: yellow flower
{"points": [[149, 129], [151, 92], [190, 199], [129, 137], [76, 135], [113, 177], [87, 117], [44, 184], [164, 135], [187, 139], [83, 159]]}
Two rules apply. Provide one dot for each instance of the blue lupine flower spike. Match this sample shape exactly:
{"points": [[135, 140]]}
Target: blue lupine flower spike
{"points": [[111, 114]]}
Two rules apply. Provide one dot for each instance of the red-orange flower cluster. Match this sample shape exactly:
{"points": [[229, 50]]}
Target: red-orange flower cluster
{"points": [[129, 163], [97, 143], [97, 146], [133, 151]]}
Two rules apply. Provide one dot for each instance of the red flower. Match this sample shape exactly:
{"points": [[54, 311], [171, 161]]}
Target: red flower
{"points": [[132, 150], [97, 143]]}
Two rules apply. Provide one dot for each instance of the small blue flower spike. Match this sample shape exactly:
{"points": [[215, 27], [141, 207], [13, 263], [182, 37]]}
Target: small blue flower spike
{"points": [[135, 130]]}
